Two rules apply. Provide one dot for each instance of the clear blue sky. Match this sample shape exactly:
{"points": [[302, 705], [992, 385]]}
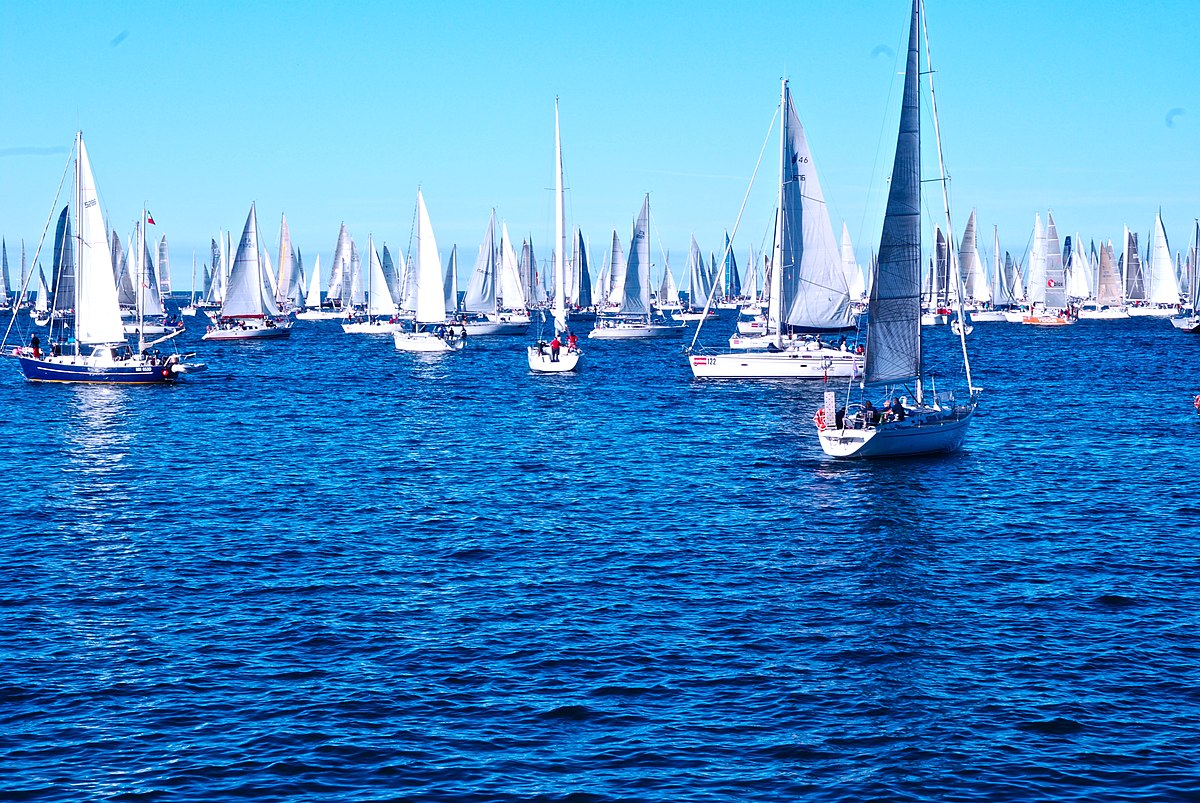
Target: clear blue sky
{"points": [[336, 112]]}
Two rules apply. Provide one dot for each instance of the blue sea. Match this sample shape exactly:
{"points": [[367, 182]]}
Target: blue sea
{"points": [[325, 570]]}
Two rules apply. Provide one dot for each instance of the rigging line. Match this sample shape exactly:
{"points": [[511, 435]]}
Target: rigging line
{"points": [[733, 234], [38, 250]]}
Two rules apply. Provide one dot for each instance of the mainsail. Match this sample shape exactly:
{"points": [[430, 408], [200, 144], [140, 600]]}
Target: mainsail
{"points": [[635, 296], [1056, 280], [812, 283], [481, 289], [248, 295], [97, 315]]}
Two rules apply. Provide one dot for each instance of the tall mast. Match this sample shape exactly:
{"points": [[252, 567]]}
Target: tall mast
{"points": [[560, 234], [775, 309], [944, 180]]}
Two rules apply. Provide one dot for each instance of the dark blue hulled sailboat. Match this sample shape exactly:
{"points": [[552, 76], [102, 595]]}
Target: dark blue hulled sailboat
{"points": [[94, 349]]}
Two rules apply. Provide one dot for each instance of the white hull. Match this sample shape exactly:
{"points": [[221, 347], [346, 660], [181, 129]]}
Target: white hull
{"points": [[250, 330], [147, 329], [495, 328], [1152, 312], [755, 327], [369, 328], [425, 342], [759, 342], [1187, 324], [989, 316], [635, 331], [906, 438], [189, 311], [542, 364], [319, 315], [934, 319], [695, 316], [1016, 316], [1105, 314], [796, 363]]}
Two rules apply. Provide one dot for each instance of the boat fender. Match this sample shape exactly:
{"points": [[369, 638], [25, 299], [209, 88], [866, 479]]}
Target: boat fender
{"points": [[166, 372]]}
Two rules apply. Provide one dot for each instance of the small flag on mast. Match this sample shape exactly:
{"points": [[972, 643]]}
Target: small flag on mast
{"points": [[150, 219]]}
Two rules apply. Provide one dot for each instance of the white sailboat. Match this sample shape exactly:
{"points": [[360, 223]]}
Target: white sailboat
{"points": [[379, 317], [551, 357], [1191, 323], [429, 333], [96, 350], [249, 311], [494, 273], [1048, 305], [1162, 297], [808, 293], [895, 364], [313, 311], [1107, 304], [632, 319]]}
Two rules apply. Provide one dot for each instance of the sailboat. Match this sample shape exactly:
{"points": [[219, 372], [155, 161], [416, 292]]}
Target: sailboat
{"points": [[1162, 295], [1191, 323], [430, 307], [632, 318], [96, 350], [380, 317], [1052, 308], [249, 311], [914, 424], [1107, 303], [543, 357], [808, 293], [493, 274]]}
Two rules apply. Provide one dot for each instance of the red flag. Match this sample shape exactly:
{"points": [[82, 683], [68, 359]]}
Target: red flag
{"points": [[150, 219]]}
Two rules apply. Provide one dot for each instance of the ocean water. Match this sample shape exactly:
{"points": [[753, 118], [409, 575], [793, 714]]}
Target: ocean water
{"points": [[327, 570]]}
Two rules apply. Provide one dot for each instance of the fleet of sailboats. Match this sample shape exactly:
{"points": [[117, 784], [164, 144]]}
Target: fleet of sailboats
{"points": [[812, 291]]}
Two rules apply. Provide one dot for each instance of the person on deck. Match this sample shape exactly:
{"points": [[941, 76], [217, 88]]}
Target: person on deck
{"points": [[555, 347], [898, 411], [572, 342], [36, 342]]}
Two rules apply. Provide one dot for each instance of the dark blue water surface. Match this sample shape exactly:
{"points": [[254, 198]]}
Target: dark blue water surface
{"points": [[327, 570]]}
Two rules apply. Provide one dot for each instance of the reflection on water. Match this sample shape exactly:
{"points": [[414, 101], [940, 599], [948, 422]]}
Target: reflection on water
{"points": [[96, 427]]}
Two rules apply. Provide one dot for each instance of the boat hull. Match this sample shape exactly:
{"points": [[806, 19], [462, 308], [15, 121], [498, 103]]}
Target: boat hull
{"points": [[635, 331], [989, 316], [250, 332], [1104, 314], [908, 438], [1152, 312], [369, 328], [543, 364], [788, 364], [318, 315], [66, 369], [425, 342], [1187, 324], [1046, 320], [495, 327]]}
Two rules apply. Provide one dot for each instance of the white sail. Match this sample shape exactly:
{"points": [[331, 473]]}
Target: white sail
{"points": [[450, 282], [481, 288], [1056, 280], [248, 295], [97, 314], [41, 301], [668, 291], [286, 289], [1108, 292], [894, 329], [856, 285], [812, 283], [635, 292], [148, 300], [1164, 283], [1035, 288], [164, 268], [339, 279], [510, 293], [1001, 289], [1080, 271], [973, 275], [616, 272], [431, 301], [313, 299], [379, 298], [699, 285]]}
